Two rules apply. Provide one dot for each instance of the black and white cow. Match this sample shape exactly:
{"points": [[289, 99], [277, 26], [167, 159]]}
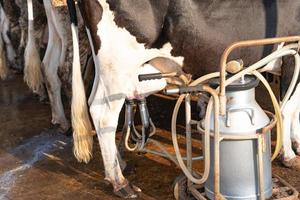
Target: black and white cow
{"points": [[32, 25], [126, 34], [54, 70]]}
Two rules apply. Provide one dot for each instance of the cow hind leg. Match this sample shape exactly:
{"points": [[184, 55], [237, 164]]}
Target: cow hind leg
{"points": [[105, 113], [288, 153], [296, 128], [53, 83], [11, 54], [50, 64], [3, 62], [4, 71]]}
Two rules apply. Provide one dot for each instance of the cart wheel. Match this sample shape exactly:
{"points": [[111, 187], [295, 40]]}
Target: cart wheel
{"points": [[180, 188]]}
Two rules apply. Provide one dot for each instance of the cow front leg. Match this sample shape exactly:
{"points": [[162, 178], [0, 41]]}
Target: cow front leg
{"points": [[54, 54]]}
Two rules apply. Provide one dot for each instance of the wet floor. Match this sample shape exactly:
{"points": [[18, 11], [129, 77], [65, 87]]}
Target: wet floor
{"points": [[21, 114], [37, 163]]}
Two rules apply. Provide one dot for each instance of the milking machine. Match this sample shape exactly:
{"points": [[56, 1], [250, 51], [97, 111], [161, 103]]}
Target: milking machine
{"points": [[236, 131]]}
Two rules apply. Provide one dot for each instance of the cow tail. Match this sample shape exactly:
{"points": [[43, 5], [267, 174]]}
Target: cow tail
{"points": [[32, 69], [82, 135]]}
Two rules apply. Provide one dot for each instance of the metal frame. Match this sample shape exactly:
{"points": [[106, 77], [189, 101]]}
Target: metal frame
{"points": [[219, 99]]}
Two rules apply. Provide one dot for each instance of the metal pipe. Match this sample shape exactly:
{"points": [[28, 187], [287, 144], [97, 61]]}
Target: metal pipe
{"points": [[216, 141], [240, 44], [207, 145], [168, 155], [264, 130], [129, 104], [188, 135], [156, 143], [260, 167]]}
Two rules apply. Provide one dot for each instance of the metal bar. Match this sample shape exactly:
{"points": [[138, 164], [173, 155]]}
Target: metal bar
{"points": [[217, 141], [168, 97], [217, 163], [240, 44], [156, 143], [162, 154], [265, 129], [260, 168], [188, 135], [169, 155]]}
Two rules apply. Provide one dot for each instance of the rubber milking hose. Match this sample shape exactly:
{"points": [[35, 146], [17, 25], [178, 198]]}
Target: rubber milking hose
{"points": [[206, 136], [277, 113]]}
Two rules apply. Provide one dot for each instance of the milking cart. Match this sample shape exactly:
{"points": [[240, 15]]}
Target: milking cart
{"points": [[236, 131]]}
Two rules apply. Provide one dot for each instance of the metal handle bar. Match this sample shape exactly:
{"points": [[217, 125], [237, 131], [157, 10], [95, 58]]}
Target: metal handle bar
{"points": [[145, 77], [240, 44]]}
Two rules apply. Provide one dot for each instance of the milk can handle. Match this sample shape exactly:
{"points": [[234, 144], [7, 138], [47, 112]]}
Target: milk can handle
{"points": [[249, 111]]}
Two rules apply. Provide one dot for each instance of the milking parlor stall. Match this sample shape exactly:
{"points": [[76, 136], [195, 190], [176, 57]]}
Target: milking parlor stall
{"points": [[220, 136]]}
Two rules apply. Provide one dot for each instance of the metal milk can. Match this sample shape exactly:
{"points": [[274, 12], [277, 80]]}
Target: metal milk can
{"points": [[239, 177]]}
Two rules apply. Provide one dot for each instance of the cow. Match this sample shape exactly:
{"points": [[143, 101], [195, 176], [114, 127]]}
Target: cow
{"points": [[7, 51], [31, 48], [124, 35], [55, 68], [14, 28], [4, 70], [14, 22]]}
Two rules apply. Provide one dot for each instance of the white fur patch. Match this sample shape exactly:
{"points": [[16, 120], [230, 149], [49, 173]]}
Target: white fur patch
{"points": [[166, 49], [290, 111], [121, 54]]}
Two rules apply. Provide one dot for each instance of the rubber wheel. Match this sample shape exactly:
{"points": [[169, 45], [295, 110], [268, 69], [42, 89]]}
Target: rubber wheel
{"points": [[180, 188]]}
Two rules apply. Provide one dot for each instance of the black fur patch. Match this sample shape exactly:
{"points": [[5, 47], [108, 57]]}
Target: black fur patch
{"points": [[142, 18], [91, 12]]}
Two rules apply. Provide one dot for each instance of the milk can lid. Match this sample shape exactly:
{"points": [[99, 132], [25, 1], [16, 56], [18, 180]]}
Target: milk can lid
{"points": [[246, 83]]}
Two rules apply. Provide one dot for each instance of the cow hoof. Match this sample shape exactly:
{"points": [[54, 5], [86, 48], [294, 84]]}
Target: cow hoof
{"points": [[128, 192], [54, 126], [65, 131], [293, 163], [296, 147]]}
